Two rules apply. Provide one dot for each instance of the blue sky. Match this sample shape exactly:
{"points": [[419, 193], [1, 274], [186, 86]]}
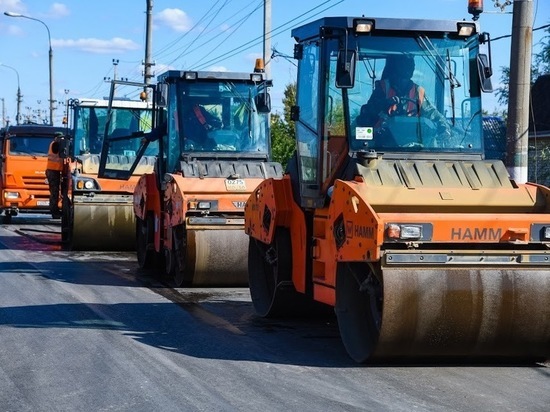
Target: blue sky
{"points": [[208, 35]]}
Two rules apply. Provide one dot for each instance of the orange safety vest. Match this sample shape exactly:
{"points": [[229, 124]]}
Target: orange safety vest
{"points": [[200, 117], [54, 161], [412, 108]]}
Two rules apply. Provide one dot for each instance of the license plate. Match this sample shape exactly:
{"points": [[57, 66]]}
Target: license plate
{"points": [[235, 185], [42, 203]]}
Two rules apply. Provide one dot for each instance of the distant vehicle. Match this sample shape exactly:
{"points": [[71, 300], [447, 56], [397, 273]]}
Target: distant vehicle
{"points": [[23, 162], [98, 213]]}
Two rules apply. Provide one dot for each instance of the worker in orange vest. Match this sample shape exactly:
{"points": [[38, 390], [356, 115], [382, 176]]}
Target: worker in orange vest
{"points": [[54, 170], [198, 122], [395, 94]]}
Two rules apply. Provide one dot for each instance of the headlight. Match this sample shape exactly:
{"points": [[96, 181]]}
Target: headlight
{"points": [[11, 195], [86, 184], [466, 29], [363, 26], [408, 231], [256, 77], [199, 204]]}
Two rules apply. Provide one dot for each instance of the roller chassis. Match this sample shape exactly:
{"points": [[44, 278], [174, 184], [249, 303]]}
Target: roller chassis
{"points": [[424, 250]]}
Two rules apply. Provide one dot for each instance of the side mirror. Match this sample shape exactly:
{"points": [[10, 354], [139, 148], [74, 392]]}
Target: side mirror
{"points": [[263, 102], [345, 69], [295, 113], [485, 72], [161, 95]]}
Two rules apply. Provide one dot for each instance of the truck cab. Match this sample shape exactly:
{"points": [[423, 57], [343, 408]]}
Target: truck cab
{"points": [[23, 159]]}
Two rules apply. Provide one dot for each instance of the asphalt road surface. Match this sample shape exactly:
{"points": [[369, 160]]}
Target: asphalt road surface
{"points": [[91, 332]]}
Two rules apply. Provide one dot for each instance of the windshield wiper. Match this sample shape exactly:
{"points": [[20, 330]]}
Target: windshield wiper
{"points": [[453, 82], [427, 45]]}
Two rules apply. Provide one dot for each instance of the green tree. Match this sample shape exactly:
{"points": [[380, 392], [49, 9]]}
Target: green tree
{"points": [[288, 101], [283, 138], [540, 65], [283, 143]]}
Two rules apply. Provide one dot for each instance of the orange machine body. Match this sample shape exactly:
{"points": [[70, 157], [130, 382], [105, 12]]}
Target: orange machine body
{"points": [[213, 136], [395, 218], [23, 183]]}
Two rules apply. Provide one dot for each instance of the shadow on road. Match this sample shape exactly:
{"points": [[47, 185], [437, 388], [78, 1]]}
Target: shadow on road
{"points": [[196, 331]]}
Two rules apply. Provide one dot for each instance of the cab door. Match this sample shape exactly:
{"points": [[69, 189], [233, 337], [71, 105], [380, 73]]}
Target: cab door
{"points": [[122, 148]]}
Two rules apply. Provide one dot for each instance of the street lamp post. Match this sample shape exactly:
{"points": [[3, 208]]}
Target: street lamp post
{"points": [[11, 14], [19, 97]]}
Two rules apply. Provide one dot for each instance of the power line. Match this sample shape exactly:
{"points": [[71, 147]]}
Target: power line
{"points": [[275, 32], [163, 50], [228, 36], [509, 35], [202, 31], [197, 24]]}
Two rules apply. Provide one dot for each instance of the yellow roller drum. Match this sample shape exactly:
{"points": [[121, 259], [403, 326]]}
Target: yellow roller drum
{"points": [[444, 312], [465, 312], [217, 257], [103, 226]]}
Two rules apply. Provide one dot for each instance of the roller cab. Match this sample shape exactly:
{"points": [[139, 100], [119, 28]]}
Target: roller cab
{"points": [[394, 218], [212, 131], [98, 212]]}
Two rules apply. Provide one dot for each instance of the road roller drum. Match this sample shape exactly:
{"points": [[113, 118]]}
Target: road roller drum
{"points": [[103, 226], [445, 313], [217, 257]]}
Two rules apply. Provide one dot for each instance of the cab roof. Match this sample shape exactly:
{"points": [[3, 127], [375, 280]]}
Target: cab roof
{"points": [[35, 130], [313, 29]]}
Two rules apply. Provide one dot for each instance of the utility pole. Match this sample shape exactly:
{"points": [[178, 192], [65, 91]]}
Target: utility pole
{"points": [[267, 38], [3, 112], [148, 63], [517, 128], [19, 101], [115, 65]]}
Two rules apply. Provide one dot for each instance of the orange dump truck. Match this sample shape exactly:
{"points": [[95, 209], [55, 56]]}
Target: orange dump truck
{"points": [[22, 169]]}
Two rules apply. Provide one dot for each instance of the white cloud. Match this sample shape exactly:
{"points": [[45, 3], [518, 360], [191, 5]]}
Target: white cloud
{"points": [[59, 10], [114, 45], [176, 19], [14, 30], [16, 6]]}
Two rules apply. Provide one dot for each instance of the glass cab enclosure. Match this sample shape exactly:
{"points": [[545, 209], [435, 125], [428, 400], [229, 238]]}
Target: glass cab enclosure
{"points": [[385, 87], [200, 115], [220, 117]]}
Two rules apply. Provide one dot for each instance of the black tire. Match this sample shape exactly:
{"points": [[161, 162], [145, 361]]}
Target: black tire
{"points": [[146, 255], [67, 221], [176, 263], [358, 311], [270, 280], [269, 267]]}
